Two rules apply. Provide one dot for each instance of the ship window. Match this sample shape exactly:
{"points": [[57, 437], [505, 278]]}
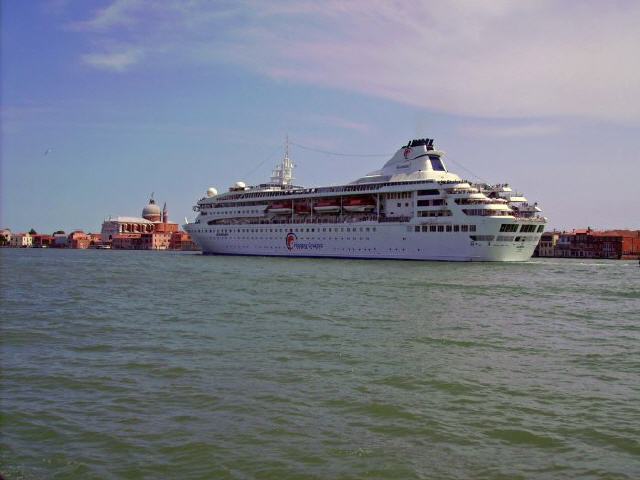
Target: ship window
{"points": [[441, 228], [436, 163], [432, 228], [428, 192], [456, 228], [448, 228], [540, 228], [417, 228], [425, 228], [399, 204], [472, 228]]}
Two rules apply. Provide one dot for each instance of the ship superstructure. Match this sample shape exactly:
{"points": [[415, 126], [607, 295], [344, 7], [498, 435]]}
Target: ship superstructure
{"points": [[412, 208]]}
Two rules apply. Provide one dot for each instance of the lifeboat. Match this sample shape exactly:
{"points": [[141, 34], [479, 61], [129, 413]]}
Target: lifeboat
{"points": [[302, 208], [359, 204], [327, 206], [280, 208]]}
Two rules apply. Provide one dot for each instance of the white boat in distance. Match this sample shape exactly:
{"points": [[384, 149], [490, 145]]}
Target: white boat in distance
{"points": [[413, 208]]}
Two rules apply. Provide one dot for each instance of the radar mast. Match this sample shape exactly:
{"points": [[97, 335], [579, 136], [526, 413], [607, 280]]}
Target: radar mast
{"points": [[283, 172]]}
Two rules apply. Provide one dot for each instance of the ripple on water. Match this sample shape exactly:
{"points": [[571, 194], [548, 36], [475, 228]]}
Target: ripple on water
{"points": [[232, 367]]}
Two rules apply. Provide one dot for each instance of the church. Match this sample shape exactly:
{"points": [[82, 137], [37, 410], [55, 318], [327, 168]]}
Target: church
{"points": [[151, 231]]}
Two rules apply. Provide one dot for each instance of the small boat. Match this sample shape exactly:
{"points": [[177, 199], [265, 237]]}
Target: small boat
{"points": [[327, 206], [280, 208], [302, 208], [359, 204]]}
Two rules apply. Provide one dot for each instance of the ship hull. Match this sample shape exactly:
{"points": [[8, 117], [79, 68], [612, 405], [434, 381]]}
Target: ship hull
{"points": [[363, 240]]}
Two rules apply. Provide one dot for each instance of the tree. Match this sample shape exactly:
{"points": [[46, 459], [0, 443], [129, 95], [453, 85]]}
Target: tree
{"points": [[32, 232]]}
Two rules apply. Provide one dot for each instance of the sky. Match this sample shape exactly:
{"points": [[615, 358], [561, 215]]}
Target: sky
{"points": [[105, 102]]}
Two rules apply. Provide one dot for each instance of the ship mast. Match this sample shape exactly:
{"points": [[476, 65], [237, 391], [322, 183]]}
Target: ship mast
{"points": [[283, 173]]}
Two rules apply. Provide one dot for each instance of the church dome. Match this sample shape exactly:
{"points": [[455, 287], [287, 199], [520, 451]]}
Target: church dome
{"points": [[152, 212]]}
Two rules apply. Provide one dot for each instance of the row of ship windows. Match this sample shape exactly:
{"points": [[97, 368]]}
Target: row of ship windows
{"points": [[513, 227], [501, 238], [395, 195], [289, 230], [303, 239], [481, 212], [435, 213], [335, 249], [235, 212], [445, 228]]}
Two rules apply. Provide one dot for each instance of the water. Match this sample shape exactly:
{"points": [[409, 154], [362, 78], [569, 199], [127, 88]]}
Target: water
{"points": [[165, 365]]}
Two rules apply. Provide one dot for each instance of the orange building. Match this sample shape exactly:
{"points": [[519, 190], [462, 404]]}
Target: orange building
{"points": [[182, 241], [79, 239]]}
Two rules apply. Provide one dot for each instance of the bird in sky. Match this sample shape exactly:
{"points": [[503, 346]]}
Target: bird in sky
{"points": [[48, 151]]}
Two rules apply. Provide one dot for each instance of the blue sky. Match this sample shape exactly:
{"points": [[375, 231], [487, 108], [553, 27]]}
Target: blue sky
{"points": [[139, 96]]}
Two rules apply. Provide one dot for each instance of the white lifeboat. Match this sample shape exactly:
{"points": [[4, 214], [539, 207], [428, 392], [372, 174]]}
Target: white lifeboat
{"points": [[327, 206], [359, 204], [280, 208]]}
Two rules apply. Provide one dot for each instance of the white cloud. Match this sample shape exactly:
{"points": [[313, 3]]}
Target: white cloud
{"points": [[339, 122], [512, 130], [113, 61], [496, 59], [117, 14]]}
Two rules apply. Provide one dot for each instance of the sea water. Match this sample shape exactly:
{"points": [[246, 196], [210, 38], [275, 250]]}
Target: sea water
{"points": [[125, 364]]}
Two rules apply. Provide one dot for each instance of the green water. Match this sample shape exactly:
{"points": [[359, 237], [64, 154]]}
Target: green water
{"points": [[164, 365]]}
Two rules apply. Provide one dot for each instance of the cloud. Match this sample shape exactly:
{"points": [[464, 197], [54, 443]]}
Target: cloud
{"points": [[117, 14], [114, 61], [513, 130], [339, 122], [498, 59]]}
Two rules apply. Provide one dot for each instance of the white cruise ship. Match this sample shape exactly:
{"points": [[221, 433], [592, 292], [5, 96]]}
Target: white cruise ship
{"points": [[413, 208]]}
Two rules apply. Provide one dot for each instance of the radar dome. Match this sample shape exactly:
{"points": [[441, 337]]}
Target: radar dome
{"points": [[240, 185], [212, 192]]}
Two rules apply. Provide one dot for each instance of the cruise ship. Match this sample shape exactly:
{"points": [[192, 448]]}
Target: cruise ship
{"points": [[413, 208]]}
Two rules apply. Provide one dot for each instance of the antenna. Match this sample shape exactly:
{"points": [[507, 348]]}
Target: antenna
{"points": [[283, 173], [286, 147]]}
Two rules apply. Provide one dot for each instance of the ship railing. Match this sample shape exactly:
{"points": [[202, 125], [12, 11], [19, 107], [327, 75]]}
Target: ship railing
{"points": [[333, 219], [522, 218]]}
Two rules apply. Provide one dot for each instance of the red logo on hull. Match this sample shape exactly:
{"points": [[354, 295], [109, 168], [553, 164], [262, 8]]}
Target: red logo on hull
{"points": [[407, 151], [290, 239]]}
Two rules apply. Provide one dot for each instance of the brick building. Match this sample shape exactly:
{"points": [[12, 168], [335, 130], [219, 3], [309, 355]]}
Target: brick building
{"points": [[79, 239], [613, 244]]}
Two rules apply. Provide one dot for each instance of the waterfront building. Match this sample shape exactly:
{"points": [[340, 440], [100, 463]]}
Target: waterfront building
{"points": [[21, 240], [60, 240], [587, 243], [5, 237], [42, 241], [547, 245], [79, 239], [182, 241], [151, 231]]}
